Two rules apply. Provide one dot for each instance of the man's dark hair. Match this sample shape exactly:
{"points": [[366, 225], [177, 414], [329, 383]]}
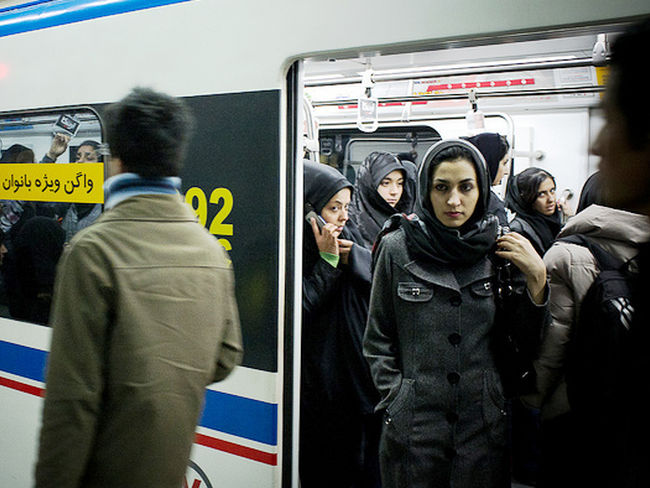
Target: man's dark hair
{"points": [[628, 53], [148, 131]]}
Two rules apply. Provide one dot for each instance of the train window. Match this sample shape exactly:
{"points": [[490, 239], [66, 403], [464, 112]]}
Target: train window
{"points": [[347, 148], [44, 200]]}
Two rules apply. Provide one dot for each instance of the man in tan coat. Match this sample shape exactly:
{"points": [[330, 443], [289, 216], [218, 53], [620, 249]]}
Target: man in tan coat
{"points": [[144, 317]]}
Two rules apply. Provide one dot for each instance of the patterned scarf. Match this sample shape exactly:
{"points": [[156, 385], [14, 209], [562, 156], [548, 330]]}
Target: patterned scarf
{"points": [[126, 185]]}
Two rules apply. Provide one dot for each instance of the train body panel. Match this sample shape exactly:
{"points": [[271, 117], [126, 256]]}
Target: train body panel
{"points": [[239, 48], [240, 66]]}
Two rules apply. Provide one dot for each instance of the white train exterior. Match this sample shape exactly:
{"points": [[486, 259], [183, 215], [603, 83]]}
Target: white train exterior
{"points": [[239, 65]]}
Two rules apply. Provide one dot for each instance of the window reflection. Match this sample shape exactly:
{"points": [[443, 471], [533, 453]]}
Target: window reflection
{"points": [[35, 228]]}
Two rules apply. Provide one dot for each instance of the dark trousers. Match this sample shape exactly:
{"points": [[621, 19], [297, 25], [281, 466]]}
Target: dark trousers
{"points": [[339, 451], [525, 443], [578, 451]]}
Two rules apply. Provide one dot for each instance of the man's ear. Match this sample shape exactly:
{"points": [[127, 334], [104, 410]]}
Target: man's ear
{"points": [[116, 166]]}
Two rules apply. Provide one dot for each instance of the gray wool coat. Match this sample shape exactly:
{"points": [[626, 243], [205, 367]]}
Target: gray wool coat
{"points": [[427, 342]]}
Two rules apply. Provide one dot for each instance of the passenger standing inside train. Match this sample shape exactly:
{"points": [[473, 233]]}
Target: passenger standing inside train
{"points": [[32, 250], [570, 454], [11, 211], [496, 151], [384, 186], [431, 325], [538, 217], [143, 317], [3, 249], [75, 216], [29, 279], [339, 432], [624, 149]]}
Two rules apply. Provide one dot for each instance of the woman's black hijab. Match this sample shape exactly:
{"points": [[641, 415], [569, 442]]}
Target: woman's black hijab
{"points": [[592, 193], [322, 182], [493, 148], [427, 238], [368, 209], [547, 227]]}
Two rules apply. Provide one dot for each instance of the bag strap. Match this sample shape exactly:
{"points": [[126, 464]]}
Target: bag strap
{"points": [[605, 260]]}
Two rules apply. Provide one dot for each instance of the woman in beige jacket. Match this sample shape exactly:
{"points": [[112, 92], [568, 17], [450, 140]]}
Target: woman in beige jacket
{"points": [[572, 269]]}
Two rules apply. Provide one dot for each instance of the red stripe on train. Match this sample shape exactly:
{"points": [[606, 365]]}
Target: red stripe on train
{"points": [[16, 385], [203, 440], [236, 449]]}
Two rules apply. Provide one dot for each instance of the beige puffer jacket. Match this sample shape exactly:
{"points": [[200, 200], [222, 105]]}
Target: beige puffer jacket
{"points": [[572, 269]]}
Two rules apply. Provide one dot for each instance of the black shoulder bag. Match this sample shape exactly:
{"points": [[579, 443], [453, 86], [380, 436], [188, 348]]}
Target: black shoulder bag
{"points": [[513, 353]]}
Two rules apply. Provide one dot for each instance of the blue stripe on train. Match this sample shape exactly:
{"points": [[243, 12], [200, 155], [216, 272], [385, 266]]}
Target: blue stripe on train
{"points": [[232, 414], [243, 417], [41, 15], [22, 361]]}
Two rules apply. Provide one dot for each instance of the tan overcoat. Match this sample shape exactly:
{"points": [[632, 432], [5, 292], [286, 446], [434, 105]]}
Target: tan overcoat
{"points": [[144, 317]]}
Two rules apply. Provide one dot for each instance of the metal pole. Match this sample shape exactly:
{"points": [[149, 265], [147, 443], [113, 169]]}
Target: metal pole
{"points": [[470, 70]]}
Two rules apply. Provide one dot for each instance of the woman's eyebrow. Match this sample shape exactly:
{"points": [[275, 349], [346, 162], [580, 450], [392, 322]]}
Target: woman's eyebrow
{"points": [[442, 180]]}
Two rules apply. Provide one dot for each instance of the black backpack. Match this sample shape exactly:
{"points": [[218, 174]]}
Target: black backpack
{"points": [[598, 340]]}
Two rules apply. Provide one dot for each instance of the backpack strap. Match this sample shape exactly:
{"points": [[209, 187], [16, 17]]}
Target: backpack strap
{"points": [[605, 260]]}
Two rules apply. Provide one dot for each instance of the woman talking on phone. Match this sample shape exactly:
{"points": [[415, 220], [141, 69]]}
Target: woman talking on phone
{"points": [[431, 328], [339, 432]]}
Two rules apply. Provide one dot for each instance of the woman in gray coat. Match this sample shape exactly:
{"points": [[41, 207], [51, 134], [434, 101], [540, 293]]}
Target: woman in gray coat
{"points": [[428, 339]]}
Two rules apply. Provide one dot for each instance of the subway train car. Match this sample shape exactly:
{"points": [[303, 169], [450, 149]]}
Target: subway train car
{"points": [[271, 83]]}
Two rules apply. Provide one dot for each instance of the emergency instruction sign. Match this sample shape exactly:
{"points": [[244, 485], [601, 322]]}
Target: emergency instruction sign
{"points": [[42, 182]]}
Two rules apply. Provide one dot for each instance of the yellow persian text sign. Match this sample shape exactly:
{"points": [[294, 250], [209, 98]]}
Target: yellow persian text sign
{"points": [[74, 182], [602, 74]]}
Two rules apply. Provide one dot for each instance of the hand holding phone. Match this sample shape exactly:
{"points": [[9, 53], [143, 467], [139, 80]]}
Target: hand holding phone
{"points": [[313, 215]]}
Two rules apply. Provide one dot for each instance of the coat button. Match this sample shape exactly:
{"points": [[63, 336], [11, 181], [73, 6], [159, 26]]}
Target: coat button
{"points": [[453, 378], [452, 417], [455, 301], [454, 339]]}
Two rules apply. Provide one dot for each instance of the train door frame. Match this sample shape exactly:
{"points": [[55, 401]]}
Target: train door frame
{"points": [[294, 167], [292, 291]]}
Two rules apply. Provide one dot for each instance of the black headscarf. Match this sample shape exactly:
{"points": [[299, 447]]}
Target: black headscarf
{"points": [[17, 154], [492, 148], [428, 239], [591, 192], [368, 208], [546, 227], [322, 182]]}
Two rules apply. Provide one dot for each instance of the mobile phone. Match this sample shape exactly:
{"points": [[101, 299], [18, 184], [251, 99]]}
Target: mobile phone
{"points": [[319, 220]]}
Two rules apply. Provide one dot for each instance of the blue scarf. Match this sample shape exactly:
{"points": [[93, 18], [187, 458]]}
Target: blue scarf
{"points": [[126, 185]]}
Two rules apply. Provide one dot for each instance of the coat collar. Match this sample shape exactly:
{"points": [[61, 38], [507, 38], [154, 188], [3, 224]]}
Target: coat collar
{"points": [[448, 278], [151, 207], [432, 273]]}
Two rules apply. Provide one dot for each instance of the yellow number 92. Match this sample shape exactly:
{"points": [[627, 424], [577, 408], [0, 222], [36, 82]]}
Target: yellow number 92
{"points": [[195, 196]]}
